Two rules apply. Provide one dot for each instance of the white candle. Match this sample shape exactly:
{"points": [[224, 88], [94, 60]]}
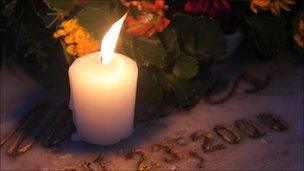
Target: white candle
{"points": [[103, 93]]}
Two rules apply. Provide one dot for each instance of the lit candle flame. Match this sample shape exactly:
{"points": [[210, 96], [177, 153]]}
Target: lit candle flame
{"points": [[109, 41]]}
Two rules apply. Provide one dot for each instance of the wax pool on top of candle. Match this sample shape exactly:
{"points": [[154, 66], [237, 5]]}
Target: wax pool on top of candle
{"points": [[103, 97]]}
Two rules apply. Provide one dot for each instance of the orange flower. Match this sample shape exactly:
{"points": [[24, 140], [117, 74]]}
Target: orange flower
{"points": [[298, 29], [77, 39], [211, 8], [260, 4], [150, 20], [274, 5]]}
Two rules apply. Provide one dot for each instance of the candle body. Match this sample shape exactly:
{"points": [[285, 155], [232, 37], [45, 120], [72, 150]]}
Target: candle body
{"points": [[103, 97]]}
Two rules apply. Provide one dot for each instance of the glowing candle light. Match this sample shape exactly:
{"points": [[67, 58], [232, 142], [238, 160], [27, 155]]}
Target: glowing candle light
{"points": [[109, 41], [103, 92]]}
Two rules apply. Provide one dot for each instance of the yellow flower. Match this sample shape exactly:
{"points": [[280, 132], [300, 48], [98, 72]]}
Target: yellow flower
{"points": [[69, 39], [80, 49], [70, 25], [80, 34], [298, 29], [274, 5], [87, 46], [78, 40], [299, 40], [259, 4], [59, 33], [71, 50], [301, 25], [94, 46]]}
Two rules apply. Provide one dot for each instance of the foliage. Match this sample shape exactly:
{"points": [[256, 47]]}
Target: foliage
{"points": [[23, 33], [209, 38], [170, 52], [200, 35], [268, 32]]}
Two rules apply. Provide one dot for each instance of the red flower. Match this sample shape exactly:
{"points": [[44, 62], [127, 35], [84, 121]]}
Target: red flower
{"points": [[150, 20], [210, 8], [83, 2]]}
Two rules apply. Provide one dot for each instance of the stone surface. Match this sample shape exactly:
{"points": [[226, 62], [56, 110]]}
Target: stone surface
{"points": [[275, 151]]}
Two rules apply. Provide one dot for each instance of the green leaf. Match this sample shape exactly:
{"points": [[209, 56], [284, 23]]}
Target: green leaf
{"points": [[61, 6], [9, 8], [148, 90], [189, 44], [98, 16], [185, 67], [289, 54], [169, 39], [149, 95], [268, 33], [149, 51], [184, 90], [96, 25], [209, 38], [182, 24]]}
